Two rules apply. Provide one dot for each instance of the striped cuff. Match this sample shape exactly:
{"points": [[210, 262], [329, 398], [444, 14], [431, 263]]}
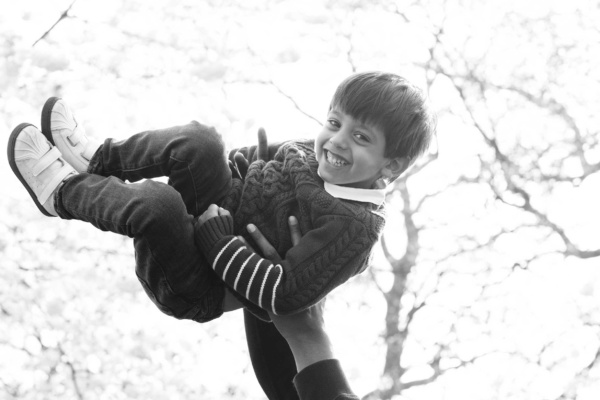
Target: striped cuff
{"points": [[212, 230], [247, 273]]}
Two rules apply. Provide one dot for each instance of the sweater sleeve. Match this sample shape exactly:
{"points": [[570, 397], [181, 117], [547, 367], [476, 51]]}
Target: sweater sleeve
{"points": [[323, 380], [325, 257]]}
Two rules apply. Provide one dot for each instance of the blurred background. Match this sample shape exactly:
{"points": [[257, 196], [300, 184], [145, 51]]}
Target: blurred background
{"points": [[487, 282]]}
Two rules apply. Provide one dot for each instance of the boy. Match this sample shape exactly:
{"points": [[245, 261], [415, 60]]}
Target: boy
{"points": [[377, 125]]}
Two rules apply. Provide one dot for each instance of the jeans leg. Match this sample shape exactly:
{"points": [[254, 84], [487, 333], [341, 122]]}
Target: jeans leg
{"points": [[272, 359], [192, 156], [168, 264]]}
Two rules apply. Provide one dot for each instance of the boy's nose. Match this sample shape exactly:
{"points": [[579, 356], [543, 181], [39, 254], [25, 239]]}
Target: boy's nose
{"points": [[338, 141]]}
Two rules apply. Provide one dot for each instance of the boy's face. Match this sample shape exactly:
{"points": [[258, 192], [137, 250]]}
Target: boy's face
{"points": [[350, 153]]}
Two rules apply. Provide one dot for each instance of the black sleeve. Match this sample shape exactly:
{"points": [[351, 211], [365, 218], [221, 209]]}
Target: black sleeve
{"points": [[323, 380], [272, 359]]}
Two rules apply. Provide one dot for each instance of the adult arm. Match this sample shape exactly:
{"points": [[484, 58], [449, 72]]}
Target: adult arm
{"points": [[321, 376]]}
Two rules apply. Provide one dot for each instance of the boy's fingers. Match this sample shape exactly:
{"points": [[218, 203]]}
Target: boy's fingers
{"points": [[211, 211], [295, 233], [223, 211], [263, 148], [263, 244], [241, 163]]}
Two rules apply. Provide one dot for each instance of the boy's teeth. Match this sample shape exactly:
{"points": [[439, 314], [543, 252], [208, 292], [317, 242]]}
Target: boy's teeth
{"points": [[338, 162]]}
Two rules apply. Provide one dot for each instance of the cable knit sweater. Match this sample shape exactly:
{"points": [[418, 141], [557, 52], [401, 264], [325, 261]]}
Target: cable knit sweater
{"points": [[338, 235]]}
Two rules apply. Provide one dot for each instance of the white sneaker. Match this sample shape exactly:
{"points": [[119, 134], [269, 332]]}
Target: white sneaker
{"points": [[62, 130], [38, 165]]}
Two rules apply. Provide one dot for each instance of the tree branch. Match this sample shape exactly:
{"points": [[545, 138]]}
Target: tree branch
{"points": [[570, 392], [507, 167], [74, 377], [284, 94], [439, 372], [64, 15]]}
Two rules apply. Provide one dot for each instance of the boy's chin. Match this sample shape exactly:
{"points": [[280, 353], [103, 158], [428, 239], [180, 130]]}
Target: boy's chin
{"points": [[327, 177]]}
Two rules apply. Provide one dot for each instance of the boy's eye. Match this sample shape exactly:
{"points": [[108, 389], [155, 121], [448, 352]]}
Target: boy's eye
{"points": [[362, 138], [334, 123]]}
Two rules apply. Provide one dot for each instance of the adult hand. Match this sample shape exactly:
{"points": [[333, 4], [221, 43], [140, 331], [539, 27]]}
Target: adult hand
{"points": [[266, 249], [302, 325]]}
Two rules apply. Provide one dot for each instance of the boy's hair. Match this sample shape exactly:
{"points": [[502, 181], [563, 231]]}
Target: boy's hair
{"points": [[392, 104]]}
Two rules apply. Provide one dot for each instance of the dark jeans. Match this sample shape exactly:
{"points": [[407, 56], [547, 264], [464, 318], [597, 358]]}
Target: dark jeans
{"points": [[159, 217]]}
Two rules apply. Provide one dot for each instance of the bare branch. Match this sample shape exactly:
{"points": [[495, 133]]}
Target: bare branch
{"points": [[439, 372], [579, 376], [507, 168], [374, 280], [349, 53], [283, 93], [412, 312], [550, 104], [570, 248], [64, 15], [73, 371], [558, 109], [425, 161], [461, 180], [401, 14], [290, 98]]}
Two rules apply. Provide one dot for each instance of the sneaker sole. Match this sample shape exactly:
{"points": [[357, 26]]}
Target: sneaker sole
{"points": [[13, 165], [46, 114]]}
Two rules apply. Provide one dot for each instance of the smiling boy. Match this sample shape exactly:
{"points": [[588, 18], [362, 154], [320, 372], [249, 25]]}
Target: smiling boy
{"points": [[377, 125]]}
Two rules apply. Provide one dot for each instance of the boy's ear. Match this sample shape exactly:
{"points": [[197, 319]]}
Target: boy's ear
{"points": [[394, 167]]}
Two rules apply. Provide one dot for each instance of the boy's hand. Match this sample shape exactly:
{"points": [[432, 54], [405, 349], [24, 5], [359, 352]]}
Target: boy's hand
{"points": [[212, 211], [239, 168], [239, 165]]}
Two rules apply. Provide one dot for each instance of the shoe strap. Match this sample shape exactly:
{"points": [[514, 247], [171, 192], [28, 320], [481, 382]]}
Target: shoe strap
{"points": [[60, 176], [77, 136], [45, 161]]}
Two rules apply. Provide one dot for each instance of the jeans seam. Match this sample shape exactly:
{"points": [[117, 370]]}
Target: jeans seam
{"points": [[76, 215], [194, 187], [162, 270], [125, 170], [187, 166]]}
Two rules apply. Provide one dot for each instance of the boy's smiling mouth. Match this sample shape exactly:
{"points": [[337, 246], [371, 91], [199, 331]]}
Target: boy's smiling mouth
{"points": [[335, 159]]}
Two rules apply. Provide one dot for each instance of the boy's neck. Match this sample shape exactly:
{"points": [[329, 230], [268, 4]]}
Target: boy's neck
{"points": [[375, 195]]}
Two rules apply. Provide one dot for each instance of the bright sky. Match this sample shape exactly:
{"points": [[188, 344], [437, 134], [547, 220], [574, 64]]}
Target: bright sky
{"points": [[142, 86]]}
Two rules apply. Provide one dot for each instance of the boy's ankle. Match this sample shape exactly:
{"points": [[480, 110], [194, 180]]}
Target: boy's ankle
{"points": [[53, 200]]}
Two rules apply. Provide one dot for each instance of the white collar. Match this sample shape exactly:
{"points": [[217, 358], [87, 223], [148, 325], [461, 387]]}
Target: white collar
{"points": [[375, 196]]}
